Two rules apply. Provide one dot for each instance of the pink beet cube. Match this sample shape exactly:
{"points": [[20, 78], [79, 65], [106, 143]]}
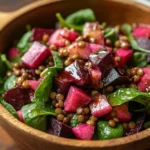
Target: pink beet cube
{"points": [[37, 33], [96, 47], [125, 55], [83, 132], [144, 83], [100, 106], [33, 84], [82, 52], [13, 52], [76, 98], [123, 113], [35, 56]]}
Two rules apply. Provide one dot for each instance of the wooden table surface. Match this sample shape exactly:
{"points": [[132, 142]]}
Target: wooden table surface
{"points": [[7, 143]]}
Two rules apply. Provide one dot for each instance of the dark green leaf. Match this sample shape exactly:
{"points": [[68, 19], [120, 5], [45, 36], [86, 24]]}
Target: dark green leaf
{"points": [[63, 23], [9, 107], [138, 60], [74, 121], [124, 95], [10, 82], [6, 61], [24, 43], [35, 116], [104, 131], [58, 64], [127, 29], [147, 125], [81, 16]]}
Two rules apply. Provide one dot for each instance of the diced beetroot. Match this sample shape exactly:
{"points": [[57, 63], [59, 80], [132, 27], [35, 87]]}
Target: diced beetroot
{"points": [[92, 30], [33, 84], [19, 112], [37, 33], [114, 78], [122, 113], [35, 56], [58, 128], [95, 75], [100, 106], [76, 98], [59, 37], [82, 52], [13, 52], [77, 71], [96, 47], [103, 60], [125, 55], [141, 31], [144, 83], [63, 82], [84, 131], [18, 97]]}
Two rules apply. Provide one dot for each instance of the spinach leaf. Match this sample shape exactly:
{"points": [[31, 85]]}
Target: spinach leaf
{"points": [[10, 82], [2, 81], [81, 16], [147, 125], [9, 107], [41, 94], [110, 33], [124, 95], [16, 59], [63, 23], [74, 121], [35, 117], [138, 59], [6, 61], [127, 29], [58, 64], [24, 43]]}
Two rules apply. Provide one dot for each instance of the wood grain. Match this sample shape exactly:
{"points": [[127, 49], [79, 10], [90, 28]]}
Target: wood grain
{"points": [[42, 14]]}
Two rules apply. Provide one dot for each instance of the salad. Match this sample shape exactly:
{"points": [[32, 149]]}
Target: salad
{"points": [[84, 79]]}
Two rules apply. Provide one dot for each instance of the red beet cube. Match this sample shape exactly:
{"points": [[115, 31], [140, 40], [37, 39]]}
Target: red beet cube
{"points": [[100, 106], [35, 56], [76, 98], [33, 84], [13, 52]]}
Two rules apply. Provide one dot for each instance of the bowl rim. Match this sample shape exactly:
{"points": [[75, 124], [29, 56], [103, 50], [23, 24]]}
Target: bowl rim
{"points": [[18, 125]]}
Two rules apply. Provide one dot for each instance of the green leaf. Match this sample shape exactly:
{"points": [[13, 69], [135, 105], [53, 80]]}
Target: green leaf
{"points": [[74, 121], [127, 29], [41, 94], [10, 82], [58, 64], [35, 117], [110, 33], [81, 16], [24, 43], [104, 131], [138, 60], [63, 23], [6, 61], [16, 59], [9, 107], [124, 95], [147, 125]]}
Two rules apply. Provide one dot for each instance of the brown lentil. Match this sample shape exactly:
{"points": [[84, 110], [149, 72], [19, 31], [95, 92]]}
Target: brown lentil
{"points": [[74, 57], [53, 47], [91, 122], [9, 73], [58, 111], [113, 113], [67, 62], [136, 78], [59, 97], [25, 75], [16, 65], [60, 103], [94, 92], [133, 72], [140, 72], [70, 115], [45, 38], [17, 72], [80, 38], [66, 120], [131, 125], [112, 123], [123, 38], [20, 80], [41, 68], [51, 63], [67, 43], [129, 73], [109, 89], [65, 53], [25, 84], [64, 112], [93, 118], [108, 42], [124, 45], [92, 40], [81, 118], [115, 119], [133, 85], [37, 71], [54, 102], [117, 44], [115, 50], [79, 111], [117, 59], [56, 105], [60, 117], [125, 125], [86, 110], [81, 44], [101, 85]]}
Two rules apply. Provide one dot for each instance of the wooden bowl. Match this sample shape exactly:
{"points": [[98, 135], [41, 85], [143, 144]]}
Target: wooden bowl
{"points": [[42, 14]]}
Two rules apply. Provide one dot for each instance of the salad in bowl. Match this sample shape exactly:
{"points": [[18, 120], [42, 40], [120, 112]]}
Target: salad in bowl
{"points": [[84, 79]]}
